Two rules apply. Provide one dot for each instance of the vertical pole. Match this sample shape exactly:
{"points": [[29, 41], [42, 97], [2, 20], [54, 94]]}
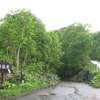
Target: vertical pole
{"points": [[22, 77], [2, 78]]}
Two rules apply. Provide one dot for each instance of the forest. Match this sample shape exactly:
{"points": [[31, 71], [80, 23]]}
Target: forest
{"points": [[44, 57]]}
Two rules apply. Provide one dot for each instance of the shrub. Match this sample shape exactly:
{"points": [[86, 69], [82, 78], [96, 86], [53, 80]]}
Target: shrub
{"points": [[81, 76], [95, 72], [96, 81]]}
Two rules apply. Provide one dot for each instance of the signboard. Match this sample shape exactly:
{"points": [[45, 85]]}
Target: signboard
{"points": [[5, 67]]}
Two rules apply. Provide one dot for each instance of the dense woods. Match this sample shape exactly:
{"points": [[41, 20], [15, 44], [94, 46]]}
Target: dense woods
{"points": [[40, 55], [26, 44], [76, 43]]}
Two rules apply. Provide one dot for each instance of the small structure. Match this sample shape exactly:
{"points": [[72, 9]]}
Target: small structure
{"points": [[5, 67]]}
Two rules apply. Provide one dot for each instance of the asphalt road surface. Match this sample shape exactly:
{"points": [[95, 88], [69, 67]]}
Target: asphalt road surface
{"points": [[65, 91]]}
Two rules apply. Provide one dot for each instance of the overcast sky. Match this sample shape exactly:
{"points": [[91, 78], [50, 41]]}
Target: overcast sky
{"points": [[58, 13]]}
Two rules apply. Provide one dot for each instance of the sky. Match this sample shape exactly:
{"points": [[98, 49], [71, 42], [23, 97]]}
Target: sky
{"points": [[58, 13]]}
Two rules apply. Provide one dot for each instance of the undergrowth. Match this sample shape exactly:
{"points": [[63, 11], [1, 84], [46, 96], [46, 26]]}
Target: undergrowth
{"points": [[33, 82]]}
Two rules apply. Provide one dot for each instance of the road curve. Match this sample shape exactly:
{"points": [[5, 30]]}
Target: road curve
{"points": [[66, 90]]}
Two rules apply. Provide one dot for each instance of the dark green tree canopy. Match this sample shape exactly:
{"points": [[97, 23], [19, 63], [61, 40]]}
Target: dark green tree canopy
{"points": [[76, 43]]}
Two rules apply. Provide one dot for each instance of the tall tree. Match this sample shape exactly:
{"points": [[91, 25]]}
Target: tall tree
{"points": [[76, 43], [19, 30], [52, 51]]}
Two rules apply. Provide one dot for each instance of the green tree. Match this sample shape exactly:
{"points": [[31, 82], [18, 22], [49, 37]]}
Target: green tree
{"points": [[96, 46], [76, 43], [52, 52], [19, 30], [27, 44]]}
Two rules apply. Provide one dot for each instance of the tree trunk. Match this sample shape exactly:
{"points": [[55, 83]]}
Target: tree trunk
{"points": [[19, 47], [25, 59], [17, 56]]}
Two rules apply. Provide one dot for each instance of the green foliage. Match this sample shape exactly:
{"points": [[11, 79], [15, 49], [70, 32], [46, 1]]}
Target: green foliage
{"points": [[96, 81], [52, 52], [22, 31], [81, 76], [42, 77], [7, 85], [95, 72], [84, 73], [93, 69], [96, 46], [76, 43], [27, 45]]}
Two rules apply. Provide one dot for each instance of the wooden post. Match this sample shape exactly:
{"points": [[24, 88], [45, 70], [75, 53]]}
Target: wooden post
{"points": [[2, 78]]}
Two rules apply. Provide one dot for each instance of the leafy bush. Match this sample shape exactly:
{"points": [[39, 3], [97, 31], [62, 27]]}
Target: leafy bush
{"points": [[91, 67], [95, 72], [81, 76], [7, 85], [96, 81]]}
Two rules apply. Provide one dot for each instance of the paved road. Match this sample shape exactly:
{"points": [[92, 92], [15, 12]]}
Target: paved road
{"points": [[65, 91]]}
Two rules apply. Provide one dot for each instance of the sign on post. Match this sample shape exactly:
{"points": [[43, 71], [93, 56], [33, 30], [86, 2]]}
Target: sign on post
{"points": [[5, 67]]}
